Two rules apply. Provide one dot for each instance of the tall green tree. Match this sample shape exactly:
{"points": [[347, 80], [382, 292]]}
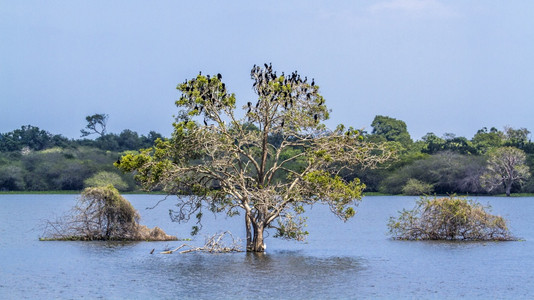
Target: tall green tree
{"points": [[485, 140], [391, 130], [224, 164]]}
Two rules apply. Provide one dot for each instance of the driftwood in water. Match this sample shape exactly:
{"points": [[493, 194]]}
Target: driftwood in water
{"points": [[101, 213], [214, 244]]}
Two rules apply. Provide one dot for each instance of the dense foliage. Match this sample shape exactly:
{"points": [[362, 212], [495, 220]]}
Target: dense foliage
{"points": [[448, 218], [32, 159], [451, 164], [35, 160]]}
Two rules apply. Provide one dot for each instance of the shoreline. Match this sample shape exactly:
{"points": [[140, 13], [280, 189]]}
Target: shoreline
{"points": [[369, 194]]}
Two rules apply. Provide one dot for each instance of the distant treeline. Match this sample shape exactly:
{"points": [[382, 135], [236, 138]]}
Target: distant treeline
{"points": [[32, 138], [444, 165], [34, 159]]}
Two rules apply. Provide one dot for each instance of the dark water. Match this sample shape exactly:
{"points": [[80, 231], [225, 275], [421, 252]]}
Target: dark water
{"points": [[339, 261]]}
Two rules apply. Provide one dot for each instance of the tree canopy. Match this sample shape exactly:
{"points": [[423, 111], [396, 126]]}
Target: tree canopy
{"points": [[95, 124], [391, 129], [267, 165]]}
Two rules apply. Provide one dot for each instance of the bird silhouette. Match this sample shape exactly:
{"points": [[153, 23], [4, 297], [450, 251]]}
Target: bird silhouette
{"points": [[219, 76]]}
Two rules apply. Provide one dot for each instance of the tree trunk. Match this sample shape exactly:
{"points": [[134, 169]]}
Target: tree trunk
{"points": [[508, 186], [249, 232], [257, 242]]}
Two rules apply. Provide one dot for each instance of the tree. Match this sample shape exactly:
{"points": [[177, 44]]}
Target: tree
{"points": [[516, 137], [95, 124], [506, 166], [230, 164], [433, 143], [391, 129], [485, 140]]}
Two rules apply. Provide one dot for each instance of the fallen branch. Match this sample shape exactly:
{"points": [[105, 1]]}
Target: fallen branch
{"points": [[214, 244], [172, 251]]}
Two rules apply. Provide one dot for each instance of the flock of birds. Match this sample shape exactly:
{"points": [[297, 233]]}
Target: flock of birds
{"points": [[216, 90]]}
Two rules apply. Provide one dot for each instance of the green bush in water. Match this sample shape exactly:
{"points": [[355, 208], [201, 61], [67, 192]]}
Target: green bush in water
{"points": [[449, 218]]}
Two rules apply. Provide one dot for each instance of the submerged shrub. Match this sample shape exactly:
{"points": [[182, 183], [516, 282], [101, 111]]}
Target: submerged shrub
{"points": [[102, 214], [449, 218]]}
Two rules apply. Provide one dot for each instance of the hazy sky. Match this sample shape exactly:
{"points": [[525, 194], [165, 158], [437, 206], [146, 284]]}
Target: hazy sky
{"points": [[440, 66]]}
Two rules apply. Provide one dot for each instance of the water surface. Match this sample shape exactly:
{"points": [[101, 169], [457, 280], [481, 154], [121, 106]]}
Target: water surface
{"points": [[340, 260]]}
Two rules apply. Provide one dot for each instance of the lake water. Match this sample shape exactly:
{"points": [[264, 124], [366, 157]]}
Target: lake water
{"points": [[339, 260]]}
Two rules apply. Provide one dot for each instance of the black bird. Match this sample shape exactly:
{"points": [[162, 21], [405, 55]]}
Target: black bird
{"points": [[266, 66], [219, 76], [315, 117], [313, 82], [249, 104], [199, 73], [152, 251], [282, 125], [118, 161], [208, 76], [321, 102], [205, 123]]}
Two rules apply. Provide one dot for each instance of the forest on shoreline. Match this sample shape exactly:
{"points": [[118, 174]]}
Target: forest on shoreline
{"points": [[34, 160]]}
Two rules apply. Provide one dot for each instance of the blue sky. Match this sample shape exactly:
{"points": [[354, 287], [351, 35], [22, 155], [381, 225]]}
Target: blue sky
{"points": [[440, 66]]}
